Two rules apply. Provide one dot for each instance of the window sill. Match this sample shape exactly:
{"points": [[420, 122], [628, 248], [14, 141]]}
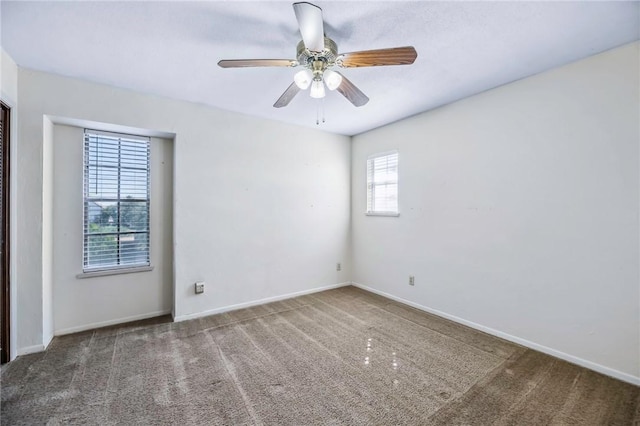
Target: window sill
{"points": [[390, 214], [119, 271]]}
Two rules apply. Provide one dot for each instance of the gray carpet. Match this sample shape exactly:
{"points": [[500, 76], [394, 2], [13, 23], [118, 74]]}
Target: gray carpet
{"points": [[343, 356]]}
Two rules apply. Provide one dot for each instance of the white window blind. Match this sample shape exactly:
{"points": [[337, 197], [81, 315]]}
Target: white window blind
{"points": [[116, 201], [382, 183]]}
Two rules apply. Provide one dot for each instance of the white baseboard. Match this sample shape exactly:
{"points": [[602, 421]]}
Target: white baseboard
{"points": [[100, 324], [532, 345], [30, 350], [257, 302]]}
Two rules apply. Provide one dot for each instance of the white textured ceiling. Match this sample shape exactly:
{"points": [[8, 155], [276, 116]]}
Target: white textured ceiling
{"points": [[172, 49]]}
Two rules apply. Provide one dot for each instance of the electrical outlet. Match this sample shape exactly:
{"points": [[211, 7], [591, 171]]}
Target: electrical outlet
{"points": [[338, 267], [412, 280], [199, 287]]}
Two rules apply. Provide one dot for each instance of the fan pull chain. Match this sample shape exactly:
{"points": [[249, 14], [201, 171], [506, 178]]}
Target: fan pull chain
{"points": [[320, 107]]}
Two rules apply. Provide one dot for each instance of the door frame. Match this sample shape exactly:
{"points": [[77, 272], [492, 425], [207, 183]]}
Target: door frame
{"points": [[5, 286]]}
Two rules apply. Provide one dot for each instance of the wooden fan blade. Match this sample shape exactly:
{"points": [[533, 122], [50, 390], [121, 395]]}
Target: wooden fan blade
{"points": [[309, 18], [351, 92], [241, 63], [373, 58], [287, 96]]}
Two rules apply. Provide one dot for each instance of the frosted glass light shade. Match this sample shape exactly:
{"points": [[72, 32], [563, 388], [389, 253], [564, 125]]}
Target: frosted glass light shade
{"points": [[317, 89], [303, 79], [332, 79]]}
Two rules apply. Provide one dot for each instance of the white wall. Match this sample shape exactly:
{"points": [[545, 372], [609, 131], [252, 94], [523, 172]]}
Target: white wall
{"points": [[519, 212], [9, 95], [271, 203], [8, 78], [261, 209], [80, 304]]}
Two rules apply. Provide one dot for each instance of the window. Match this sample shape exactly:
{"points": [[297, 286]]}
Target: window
{"points": [[116, 201], [382, 184]]}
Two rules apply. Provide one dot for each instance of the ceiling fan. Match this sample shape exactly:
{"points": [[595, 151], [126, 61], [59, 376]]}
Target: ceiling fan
{"points": [[318, 54]]}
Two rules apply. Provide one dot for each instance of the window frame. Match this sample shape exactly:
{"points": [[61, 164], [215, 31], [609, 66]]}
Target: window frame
{"points": [[118, 268], [369, 194]]}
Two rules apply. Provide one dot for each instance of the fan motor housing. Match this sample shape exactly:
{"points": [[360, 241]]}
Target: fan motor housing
{"points": [[328, 55]]}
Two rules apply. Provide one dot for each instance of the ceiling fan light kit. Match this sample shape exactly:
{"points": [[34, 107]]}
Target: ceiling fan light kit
{"points": [[318, 54], [303, 79], [317, 89], [332, 79]]}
